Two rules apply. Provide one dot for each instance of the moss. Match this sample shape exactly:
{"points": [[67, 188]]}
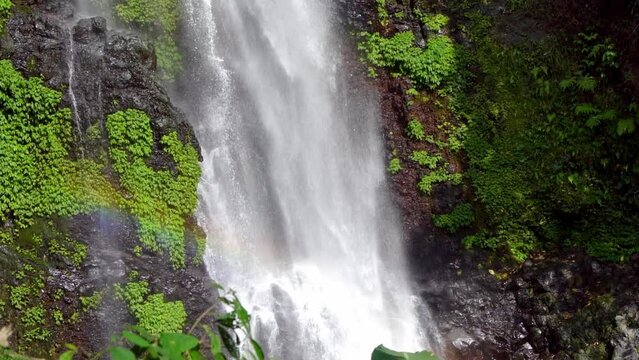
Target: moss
{"points": [[160, 199], [153, 313]]}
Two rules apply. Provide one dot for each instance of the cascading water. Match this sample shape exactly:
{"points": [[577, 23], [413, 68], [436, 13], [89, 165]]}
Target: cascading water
{"points": [[293, 192]]}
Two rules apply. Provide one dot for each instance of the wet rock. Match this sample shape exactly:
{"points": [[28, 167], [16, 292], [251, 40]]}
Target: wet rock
{"points": [[111, 71], [626, 343]]}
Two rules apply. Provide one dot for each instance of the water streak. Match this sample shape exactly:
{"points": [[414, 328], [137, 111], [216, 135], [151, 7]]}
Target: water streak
{"points": [[294, 191], [71, 79]]}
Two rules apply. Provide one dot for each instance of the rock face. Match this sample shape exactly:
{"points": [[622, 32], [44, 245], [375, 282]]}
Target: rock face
{"points": [[563, 307], [100, 72]]}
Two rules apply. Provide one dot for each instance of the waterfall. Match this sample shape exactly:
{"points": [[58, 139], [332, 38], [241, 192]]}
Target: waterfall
{"points": [[293, 195]]}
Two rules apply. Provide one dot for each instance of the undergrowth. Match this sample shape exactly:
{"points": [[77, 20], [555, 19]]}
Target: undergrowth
{"points": [[159, 20]]}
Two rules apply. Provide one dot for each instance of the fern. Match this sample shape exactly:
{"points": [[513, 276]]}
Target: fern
{"points": [[415, 130], [625, 126], [586, 83], [586, 109]]}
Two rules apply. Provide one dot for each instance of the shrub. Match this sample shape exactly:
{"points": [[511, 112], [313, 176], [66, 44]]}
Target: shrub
{"points": [[461, 216], [426, 68], [423, 158], [5, 12], [394, 166], [434, 22], [437, 176], [153, 313], [415, 130], [382, 13]]}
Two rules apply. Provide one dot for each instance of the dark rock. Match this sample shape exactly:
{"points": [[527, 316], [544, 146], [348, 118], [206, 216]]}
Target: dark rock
{"points": [[99, 72]]}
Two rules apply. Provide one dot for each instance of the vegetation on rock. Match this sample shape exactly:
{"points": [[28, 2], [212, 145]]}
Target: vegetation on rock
{"points": [[5, 12], [547, 128], [41, 185], [426, 68], [159, 20], [159, 198]]}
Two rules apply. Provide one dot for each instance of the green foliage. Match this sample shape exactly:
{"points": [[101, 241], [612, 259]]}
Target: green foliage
{"points": [[154, 315], [158, 316], [394, 166], [160, 199], [58, 317], [230, 337], [382, 13], [159, 20], [5, 12], [461, 216], [550, 148], [91, 302], [426, 68], [427, 181], [434, 22], [423, 158], [415, 130], [36, 135], [33, 316]]}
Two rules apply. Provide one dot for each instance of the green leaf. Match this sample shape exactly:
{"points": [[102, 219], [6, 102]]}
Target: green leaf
{"points": [[586, 109], [120, 353], [216, 346], [259, 353], [135, 339], [625, 126], [242, 314], [178, 342], [67, 355], [196, 355]]}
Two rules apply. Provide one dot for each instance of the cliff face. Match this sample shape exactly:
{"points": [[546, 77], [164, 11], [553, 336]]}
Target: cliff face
{"points": [[560, 305], [99, 72]]}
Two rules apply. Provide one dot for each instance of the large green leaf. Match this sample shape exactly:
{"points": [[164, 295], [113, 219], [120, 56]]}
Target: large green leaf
{"points": [[120, 353], [383, 353], [178, 342], [136, 339]]}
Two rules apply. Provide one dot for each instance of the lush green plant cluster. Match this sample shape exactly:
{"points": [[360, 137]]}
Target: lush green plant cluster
{"points": [[382, 13], [159, 18], [91, 302], [229, 338], [415, 130], [434, 22], [441, 175], [154, 315], [5, 12], [40, 186], [461, 216], [35, 134], [394, 166], [160, 199], [550, 141], [426, 68], [423, 158], [37, 178]]}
